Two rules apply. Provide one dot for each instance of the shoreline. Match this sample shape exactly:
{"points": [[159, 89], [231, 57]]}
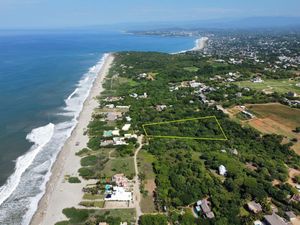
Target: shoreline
{"points": [[59, 193], [200, 44]]}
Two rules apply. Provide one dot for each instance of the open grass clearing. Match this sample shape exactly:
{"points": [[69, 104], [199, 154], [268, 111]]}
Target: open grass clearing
{"points": [[87, 196], [280, 86], [191, 69], [119, 165], [145, 161]]}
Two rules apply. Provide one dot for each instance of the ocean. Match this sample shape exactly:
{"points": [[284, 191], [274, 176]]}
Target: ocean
{"points": [[44, 79]]}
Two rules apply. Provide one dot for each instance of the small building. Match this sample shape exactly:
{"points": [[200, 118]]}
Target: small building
{"points": [[120, 179], [128, 118], [222, 170], [274, 219], [257, 80], [119, 141], [204, 205], [254, 207], [110, 106], [160, 107], [126, 127], [129, 136], [292, 94], [106, 143], [116, 132], [119, 194], [112, 116], [249, 114], [296, 197]]}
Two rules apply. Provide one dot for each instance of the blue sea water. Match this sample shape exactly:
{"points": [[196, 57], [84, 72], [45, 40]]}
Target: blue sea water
{"points": [[38, 74]]}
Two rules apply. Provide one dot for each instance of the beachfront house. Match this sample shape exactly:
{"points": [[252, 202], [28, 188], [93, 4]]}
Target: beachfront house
{"points": [[112, 116], [119, 141], [121, 180], [119, 194], [106, 143]]}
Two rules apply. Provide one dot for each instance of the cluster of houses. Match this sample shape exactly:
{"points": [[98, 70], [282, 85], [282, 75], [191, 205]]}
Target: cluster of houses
{"points": [[112, 114], [112, 137], [200, 89], [273, 219]]}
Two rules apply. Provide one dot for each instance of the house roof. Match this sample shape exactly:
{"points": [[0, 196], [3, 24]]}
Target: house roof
{"points": [[290, 214], [204, 206], [253, 206], [274, 219]]}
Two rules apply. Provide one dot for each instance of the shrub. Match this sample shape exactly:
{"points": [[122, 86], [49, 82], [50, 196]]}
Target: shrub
{"points": [[74, 180], [62, 223], [86, 173], [153, 220], [83, 152], [76, 215], [89, 161]]}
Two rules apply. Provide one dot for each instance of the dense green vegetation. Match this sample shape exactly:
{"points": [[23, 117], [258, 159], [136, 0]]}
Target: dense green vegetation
{"points": [[153, 220], [74, 180], [183, 177], [93, 217], [186, 171]]}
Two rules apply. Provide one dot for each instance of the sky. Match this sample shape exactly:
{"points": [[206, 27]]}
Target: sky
{"points": [[74, 13]]}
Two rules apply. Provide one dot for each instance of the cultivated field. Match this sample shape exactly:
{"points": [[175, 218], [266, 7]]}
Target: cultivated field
{"points": [[278, 119]]}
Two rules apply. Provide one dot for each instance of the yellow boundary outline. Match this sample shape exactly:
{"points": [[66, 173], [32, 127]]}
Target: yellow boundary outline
{"points": [[190, 138]]}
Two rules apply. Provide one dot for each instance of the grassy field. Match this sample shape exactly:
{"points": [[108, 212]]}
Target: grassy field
{"points": [[145, 161], [191, 69], [119, 165], [280, 86]]}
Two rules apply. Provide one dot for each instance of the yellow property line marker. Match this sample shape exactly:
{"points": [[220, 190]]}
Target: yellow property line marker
{"points": [[190, 138]]}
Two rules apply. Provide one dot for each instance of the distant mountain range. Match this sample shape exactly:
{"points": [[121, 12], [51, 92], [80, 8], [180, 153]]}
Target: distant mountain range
{"points": [[245, 23]]}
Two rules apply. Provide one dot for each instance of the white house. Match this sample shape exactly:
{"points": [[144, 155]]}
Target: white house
{"points": [[126, 127], [119, 194], [222, 170]]}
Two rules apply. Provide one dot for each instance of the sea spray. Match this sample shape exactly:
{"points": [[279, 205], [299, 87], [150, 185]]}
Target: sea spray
{"points": [[40, 137]]}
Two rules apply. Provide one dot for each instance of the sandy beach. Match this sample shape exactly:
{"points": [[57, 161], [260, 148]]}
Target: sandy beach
{"points": [[60, 193]]}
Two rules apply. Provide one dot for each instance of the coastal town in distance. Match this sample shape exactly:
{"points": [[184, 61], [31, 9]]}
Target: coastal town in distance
{"points": [[207, 135]]}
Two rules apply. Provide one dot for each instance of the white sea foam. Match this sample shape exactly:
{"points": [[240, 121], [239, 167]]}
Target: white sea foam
{"points": [[27, 185], [40, 137]]}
